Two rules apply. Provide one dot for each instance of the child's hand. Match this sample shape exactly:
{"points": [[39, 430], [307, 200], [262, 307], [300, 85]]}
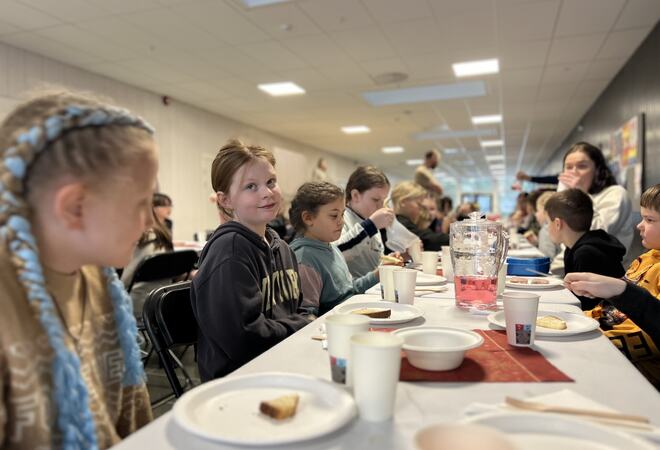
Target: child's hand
{"points": [[594, 286], [382, 218], [570, 179]]}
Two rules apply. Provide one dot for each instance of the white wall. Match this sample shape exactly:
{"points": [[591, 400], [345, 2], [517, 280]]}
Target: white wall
{"points": [[188, 137]]}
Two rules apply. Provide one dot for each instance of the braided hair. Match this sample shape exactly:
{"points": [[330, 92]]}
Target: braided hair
{"points": [[56, 134]]}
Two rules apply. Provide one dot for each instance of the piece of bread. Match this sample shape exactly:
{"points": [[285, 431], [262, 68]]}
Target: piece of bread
{"points": [[391, 260], [539, 281], [519, 280], [553, 322], [374, 313], [280, 408]]}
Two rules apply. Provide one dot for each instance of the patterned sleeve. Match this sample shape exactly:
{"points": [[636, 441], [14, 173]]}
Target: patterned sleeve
{"points": [[135, 410]]}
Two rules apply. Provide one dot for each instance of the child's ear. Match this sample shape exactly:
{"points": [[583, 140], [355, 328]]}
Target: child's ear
{"points": [[307, 218], [68, 204], [354, 195], [223, 200]]}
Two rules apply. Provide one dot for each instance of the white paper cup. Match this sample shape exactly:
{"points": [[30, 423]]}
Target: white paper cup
{"points": [[386, 275], [429, 262], [404, 285], [415, 251], [376, 358], [340, 328], [447, 267], [501, 278], [520, 312]]}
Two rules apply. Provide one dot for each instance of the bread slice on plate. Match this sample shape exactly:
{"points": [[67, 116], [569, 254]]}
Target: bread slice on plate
{"points": [[552, 322], [374, 313], [280, 408]]}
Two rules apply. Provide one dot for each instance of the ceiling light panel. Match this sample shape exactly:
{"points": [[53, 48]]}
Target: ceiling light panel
{"points": [[355, 129], [390, 150], [257, 3], [481, 120], [414, 162], [457, 134], [426, 93], [474, 68], [281, 89], [495, 143]]}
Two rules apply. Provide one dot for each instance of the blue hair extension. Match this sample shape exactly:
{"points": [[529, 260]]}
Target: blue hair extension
{"points": [[74, 418]]}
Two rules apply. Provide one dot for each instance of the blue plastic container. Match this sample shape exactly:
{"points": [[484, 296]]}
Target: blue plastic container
{"points": [[518, 266]]}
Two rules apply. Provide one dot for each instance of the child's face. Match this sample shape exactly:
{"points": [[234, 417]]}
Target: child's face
{"points": [[369, 201], [582, 167], [411, 207], [163, 212], [431, 207], [254, 195], [649, 228], [554, 230], [326, 225], [540, 215], [117, 214]]}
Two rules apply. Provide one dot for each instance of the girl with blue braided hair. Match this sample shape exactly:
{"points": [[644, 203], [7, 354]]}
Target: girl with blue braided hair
{"points": [[76, 181]]}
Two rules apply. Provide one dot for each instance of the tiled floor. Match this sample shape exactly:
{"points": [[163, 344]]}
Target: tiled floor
{"points": [[157, 382]]}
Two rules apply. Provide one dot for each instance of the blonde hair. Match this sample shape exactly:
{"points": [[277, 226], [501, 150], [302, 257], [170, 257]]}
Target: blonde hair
{"points": [[230, 158], [404, 191], [56, 134], [543, 199]]}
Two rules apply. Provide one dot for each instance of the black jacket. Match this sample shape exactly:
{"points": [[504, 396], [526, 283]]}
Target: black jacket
{"points": [[430, 239], [597, 252], [245, 298], [641, 307]]}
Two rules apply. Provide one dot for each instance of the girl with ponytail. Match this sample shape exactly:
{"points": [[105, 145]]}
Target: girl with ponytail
{"points": [[76, 181]]}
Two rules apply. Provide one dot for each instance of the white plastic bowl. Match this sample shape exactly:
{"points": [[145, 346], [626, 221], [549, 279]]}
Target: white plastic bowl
{"points": [[437, 348]]}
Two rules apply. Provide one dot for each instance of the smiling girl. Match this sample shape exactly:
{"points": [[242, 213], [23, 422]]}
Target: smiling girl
{"points": [[317, 213], [247, 292]]}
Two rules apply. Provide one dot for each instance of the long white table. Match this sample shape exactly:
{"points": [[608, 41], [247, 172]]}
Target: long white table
{"points": [[600, 372]]}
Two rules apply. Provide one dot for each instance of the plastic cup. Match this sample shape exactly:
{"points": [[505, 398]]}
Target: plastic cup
{"points": [[501, 278], [447, 267], [386, 275], [520, 312], [376, 358], [415, 251], [404, 285], [340, 328], [429, 262]]}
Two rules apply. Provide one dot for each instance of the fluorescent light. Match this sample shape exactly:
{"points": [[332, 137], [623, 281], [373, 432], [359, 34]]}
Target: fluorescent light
{"points": [[389, 150], [497, 143], [281, 89], [450, 151], [457, 134], [494, 157], [414, 162], [471, 68], [257, 3], [426, 93], [495, 167], [480, 120], [355, 129]]}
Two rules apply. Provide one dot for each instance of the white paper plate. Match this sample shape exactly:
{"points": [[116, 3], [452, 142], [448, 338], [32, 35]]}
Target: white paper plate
{"points": [[227, 409], [552, 283], [425, 279], [400, 312], [532, 431], [575, 323]]}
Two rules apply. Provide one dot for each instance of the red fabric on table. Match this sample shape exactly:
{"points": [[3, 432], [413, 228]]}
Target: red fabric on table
{"points": [[494, 361]]}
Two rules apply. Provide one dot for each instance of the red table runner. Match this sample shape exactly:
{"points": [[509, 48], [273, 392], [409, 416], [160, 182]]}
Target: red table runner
{"points": [[494, 361]]}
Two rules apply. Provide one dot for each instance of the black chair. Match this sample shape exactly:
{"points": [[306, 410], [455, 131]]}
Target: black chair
{"points": [[162, 266], [170, 322]]}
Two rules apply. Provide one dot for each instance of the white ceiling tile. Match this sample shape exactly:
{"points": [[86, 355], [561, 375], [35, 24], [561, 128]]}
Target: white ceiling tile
{"points": [[25, 17], [125, 6], [70, 36], [604, 68], [388, 11], [364, 44], [562, 91], [623, 43], [601, 13], [68, 10], [156, 69], [381, 66], [273, 55], [337, 14], [521, 77], [575, 49], [309, 79], [521, 55], [435, 66], [49, 48], [317, 50], [346, 76], [639, 13], [469, 28], [591, 88], [527, 21], [283, 20], [233, 62], [6, 28], [117, 30], [415, 37], [564, 73]]}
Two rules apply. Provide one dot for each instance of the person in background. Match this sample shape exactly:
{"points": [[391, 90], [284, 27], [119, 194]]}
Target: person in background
{"points": [[521, 217], [320, 173], [570, 213], [365, 220], [78, 177], [544, 243], [153, 241], [317, 214], [163, 209], [630, 315], [247, 293], [407, 198], [444, 214], [424, 174]]}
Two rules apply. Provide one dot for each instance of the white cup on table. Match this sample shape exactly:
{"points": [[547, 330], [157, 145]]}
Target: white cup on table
{"points": [[404, 285], [376, 362], [386, 275], [447, 267], [520, 312], [430, 262], [340, 328], [501, 278]]}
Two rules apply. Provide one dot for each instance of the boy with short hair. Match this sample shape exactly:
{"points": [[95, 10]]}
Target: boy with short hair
{"points": [[570, 213]]}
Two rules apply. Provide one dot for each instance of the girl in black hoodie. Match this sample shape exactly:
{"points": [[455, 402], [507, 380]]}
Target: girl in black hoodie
{"points": [[247, 293]]}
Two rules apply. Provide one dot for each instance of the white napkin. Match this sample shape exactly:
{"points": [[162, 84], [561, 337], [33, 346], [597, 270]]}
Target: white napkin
{"points": [[565, 397]]}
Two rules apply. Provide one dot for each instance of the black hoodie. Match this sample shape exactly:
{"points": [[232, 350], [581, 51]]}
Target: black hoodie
{"points": [[597, 252], [245, 298]]}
